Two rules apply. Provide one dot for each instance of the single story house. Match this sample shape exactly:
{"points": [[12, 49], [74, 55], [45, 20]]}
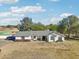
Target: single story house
{"points": [[48, 36]]}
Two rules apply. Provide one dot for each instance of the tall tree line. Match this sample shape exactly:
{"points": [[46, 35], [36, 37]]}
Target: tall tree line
{"points": [[69, 25], [26, 25]]}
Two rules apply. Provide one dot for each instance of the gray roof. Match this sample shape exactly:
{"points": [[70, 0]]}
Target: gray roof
{"points": [[33, 33]]}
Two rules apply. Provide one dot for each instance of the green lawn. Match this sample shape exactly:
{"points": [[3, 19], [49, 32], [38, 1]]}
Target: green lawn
{"points": [[5, 32]]}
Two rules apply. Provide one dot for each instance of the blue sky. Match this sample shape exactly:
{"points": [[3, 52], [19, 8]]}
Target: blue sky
{"points": [[44, 11]]}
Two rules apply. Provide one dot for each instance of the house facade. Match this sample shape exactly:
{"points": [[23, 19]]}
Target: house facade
{"points": [[48, 36]]}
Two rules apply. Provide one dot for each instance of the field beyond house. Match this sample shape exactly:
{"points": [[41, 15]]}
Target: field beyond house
{"points": [[40, 50], [7, 31]]}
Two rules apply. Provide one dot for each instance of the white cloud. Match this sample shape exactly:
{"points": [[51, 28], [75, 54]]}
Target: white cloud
{"points": [[55, 0], [8, 1], [6, 21], [55, 20], [16, 11], [11, 16], [65, 14], [9, 19], [27, 9], [4, 14], [8, 14]]}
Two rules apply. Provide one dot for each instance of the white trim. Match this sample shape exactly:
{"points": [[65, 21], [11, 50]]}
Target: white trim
{"points": [[49, 38]]}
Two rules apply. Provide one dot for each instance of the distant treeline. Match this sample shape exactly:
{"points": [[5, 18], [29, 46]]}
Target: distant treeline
{"points": [[27, 24], [9, 26]]}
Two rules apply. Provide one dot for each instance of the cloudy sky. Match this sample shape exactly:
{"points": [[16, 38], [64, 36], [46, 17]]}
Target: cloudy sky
{"points": [[45, 11]]}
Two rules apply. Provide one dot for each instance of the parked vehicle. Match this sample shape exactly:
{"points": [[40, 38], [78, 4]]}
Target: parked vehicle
{"points": [[11, 38]]}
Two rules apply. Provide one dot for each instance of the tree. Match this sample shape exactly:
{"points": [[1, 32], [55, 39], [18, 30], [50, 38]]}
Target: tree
{"points": [[38, 26], [52, 27], [62, 26], [69, 25], [25, 25], [10, 26]]}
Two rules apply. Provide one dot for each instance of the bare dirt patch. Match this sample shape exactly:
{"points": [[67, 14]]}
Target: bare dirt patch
{"points": [[40, 50]]}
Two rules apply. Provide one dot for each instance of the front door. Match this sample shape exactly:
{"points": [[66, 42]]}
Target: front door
{"points": [[44, 38]]}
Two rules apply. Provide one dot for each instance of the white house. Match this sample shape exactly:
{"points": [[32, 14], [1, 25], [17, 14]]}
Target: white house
{"points": [[54, 37], [48, 36]]}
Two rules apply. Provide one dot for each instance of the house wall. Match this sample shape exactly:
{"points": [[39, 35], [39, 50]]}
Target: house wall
{"points": [[29, 37], [35, 38], [63, 39], [59, 38], [49, 39], [56, 38], [19, 38], [52, 38]]}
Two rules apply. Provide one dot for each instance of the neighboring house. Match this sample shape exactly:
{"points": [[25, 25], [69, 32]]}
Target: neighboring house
{"points": [[48, 36]]}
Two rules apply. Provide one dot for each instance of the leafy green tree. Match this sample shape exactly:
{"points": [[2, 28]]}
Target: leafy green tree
{"points": [[69, 25], [62, 26], [38, 26], [26, 24], [52, 27]]}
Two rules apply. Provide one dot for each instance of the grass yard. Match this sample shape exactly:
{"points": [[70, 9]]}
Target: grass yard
{"points": [[5, 32], [40, 50]]}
